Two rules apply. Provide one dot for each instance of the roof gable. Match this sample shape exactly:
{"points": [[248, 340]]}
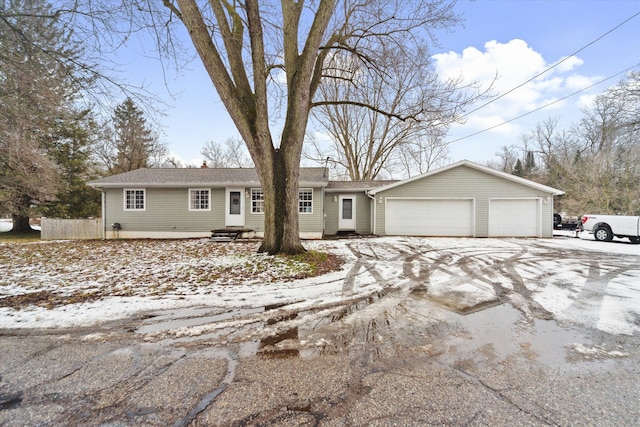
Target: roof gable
{"points": [[475, 166]]}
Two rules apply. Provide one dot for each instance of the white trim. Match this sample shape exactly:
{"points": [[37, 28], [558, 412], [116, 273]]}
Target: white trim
{"points": [[347, 224], [124, 199], [312, 200], [251, 201], [191, 208], [234, 220]]}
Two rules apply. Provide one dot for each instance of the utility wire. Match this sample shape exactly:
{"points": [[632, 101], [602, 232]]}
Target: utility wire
{"points": [[545, 105], [552, 66]]}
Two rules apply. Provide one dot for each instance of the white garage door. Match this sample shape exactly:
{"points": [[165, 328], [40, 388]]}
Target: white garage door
{"points": [[514, 218], [429, 217]]}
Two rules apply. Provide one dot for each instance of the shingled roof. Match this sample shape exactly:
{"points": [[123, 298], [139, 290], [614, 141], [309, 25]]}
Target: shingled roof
{"points": [[205, 177], [338, 186]]}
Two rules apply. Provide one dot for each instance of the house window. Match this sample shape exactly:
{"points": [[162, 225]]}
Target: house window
{"points": [[305, 200], [134, 199], [257, 200], [199, 199]]}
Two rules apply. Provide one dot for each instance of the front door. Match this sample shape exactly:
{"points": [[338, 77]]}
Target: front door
{"points": [[347, 213], [234, 207]]}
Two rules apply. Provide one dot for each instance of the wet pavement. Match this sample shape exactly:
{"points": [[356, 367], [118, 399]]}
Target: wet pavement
{"points": [[420, 336]]}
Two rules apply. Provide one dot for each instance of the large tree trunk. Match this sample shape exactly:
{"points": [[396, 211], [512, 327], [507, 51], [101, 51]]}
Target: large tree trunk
{"points": [[21, 224], [281, 233], [242, 86]]}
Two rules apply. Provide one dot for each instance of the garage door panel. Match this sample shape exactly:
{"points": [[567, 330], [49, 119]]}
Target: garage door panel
{"points": [[514, 218], [429, 217]]}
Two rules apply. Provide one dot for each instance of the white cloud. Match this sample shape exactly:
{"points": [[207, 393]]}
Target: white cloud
{"points": [[577, 82], [569, 63], [586, 101], [513, 63]]}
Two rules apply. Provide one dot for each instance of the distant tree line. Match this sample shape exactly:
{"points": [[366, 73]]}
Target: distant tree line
{"points": [[596, 161]]}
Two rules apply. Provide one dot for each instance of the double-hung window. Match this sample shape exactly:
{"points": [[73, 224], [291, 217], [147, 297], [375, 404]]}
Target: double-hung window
{"points": [[134, 199], [257, 200], [199, 199], [305, 200]]}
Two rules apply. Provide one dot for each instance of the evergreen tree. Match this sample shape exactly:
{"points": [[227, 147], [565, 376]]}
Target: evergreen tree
{"points": [[529, 163], [70, 149], [517, 169], [134, 141], [129, 143]]}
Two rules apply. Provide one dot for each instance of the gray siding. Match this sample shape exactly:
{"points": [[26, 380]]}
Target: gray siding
{"points": [[465, 182], [167, 210], [363, 212], [312, 222]]}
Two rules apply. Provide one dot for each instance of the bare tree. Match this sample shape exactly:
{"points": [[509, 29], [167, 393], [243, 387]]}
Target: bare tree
{"points": [[507, 159], [420, 155], [267, 60], [597, 161], [393, 121], [231, 154], [244, 45]]}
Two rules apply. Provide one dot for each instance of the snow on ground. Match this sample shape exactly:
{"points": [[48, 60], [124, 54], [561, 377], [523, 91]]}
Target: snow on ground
{"points": [[82, 283], [5, 225]]}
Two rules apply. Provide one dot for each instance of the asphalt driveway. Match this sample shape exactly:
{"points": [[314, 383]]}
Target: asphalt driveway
{"points": [[410, 332]]}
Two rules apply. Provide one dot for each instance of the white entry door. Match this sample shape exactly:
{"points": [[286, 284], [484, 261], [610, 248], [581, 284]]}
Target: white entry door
{"points": [[234, 207], [347, 212]]}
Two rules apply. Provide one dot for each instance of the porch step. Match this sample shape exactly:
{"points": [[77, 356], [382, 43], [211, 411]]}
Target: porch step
{"points": [[346, 234], [227, 234]]}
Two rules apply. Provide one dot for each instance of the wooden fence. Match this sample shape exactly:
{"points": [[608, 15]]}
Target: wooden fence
{"points": [[70, 229]]}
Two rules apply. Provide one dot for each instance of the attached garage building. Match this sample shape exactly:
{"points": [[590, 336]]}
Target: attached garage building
{"points": [[464, 200], [429, 217]]}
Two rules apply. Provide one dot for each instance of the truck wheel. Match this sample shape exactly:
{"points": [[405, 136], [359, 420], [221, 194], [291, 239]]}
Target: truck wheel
{"points": [[603, 234], [634, 239]]}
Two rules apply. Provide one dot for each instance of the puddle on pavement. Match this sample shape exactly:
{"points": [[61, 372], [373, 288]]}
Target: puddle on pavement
{"points": [[502, 331], [486, 332]]}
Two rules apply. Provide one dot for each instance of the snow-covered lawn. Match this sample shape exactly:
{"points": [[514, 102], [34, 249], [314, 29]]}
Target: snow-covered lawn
{"points": [[64, 284]]}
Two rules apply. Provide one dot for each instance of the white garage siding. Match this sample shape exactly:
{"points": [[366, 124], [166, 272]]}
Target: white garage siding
{"points": [[514, 217], [429, 217]]}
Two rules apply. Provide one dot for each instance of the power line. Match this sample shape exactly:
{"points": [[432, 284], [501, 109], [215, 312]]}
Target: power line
{"points": [[545, 105], [553, 66]]}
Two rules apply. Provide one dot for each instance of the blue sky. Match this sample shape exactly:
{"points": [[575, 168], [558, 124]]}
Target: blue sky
{"points": [[514, 39], [517, 40]]}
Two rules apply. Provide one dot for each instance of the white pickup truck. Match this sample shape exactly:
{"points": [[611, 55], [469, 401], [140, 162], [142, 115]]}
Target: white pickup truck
{"points": [[604, 227]]}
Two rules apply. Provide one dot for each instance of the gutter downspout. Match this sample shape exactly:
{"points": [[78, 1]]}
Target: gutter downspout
{"points": [[375, 208]]}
